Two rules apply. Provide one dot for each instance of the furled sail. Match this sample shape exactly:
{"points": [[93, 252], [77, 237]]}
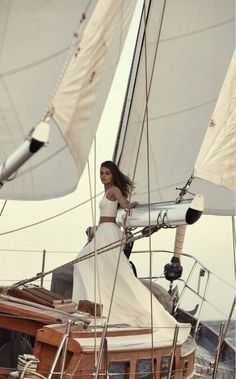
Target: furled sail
{"points": [[216, 161], [182, 56]]}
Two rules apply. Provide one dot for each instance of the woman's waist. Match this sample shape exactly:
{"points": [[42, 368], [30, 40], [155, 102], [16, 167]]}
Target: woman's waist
{"points": [[107, 219]]}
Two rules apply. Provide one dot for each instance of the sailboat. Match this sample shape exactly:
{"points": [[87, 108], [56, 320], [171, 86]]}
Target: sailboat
{"points": [[180, 59]]}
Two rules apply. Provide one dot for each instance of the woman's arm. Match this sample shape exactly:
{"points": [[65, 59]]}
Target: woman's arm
{"points": [[116, 192]]}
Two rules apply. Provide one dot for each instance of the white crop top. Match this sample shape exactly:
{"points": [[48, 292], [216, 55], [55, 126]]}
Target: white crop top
{"points": [[108, 208]]}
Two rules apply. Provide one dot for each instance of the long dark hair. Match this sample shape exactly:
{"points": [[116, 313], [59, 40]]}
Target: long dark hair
{"points": [[123, 182]]}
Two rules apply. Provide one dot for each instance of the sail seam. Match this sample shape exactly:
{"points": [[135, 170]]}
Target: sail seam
{"points": [[197, 31], [184, 110]]}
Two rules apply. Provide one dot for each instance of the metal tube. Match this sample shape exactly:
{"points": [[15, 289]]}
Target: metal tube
{"points": [[217, 357], [43, 268], [229, 319], [173, 350], [57, 356], [202, 303], [201, 274], [64, 340], [65, 348], [234, 239], [103, 339], [185, 286]]}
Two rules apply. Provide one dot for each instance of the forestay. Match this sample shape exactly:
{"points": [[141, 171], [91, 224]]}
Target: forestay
{"points": [[180, 65]]}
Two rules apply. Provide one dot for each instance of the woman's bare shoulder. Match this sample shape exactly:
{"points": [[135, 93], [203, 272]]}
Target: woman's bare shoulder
{"points": [[115, 189], [114, 193]]}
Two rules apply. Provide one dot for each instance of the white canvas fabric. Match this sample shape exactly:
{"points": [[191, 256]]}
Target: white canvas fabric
{"points": [[35, 40], [32, 61], [159, 140], [216, 161], [82, 95]]}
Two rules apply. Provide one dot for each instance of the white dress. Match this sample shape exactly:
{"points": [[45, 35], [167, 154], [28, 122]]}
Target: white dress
{"points": [[131, 300]]}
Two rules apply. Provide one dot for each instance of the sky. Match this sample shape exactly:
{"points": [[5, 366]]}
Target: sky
{"points": [[209, 240]]}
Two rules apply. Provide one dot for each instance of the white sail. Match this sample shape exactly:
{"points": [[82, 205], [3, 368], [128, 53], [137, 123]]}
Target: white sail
{"points": [[81, 97], [184, 56], [216, 161], [35, 38]]}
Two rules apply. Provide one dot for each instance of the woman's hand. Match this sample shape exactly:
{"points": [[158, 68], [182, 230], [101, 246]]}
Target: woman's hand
{"points": [[133, 204]]}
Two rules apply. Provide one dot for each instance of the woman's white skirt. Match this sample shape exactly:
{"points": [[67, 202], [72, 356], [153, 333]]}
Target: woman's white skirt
{"points": [[108, 279]]}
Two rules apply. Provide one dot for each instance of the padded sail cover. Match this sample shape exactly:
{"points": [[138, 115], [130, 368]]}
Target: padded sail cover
{"points": [[189, 45]]}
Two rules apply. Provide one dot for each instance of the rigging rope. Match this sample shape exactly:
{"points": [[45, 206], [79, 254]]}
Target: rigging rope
{"points": [[101, 250], [48, 218], [145, 123], [5, 202], [25, 67], [146, 117], [96, 267]]}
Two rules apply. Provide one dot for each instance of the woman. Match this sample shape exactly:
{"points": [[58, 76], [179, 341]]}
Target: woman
{"points": [[117, 188], [124, 298], [117, 184]]}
